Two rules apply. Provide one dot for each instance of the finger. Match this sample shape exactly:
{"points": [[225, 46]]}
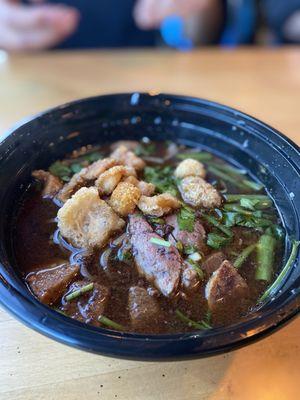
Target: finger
{"points": [[16, 37], [30, 17], [150, 13]]}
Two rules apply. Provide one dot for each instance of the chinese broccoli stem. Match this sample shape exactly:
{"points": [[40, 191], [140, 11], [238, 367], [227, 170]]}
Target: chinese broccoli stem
{"points": [[265, 257]]}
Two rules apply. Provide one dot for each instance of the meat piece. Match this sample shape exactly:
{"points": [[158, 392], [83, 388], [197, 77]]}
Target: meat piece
{"points": [[213, 262], [49, 285], [190, 278], [225, 287], [125, 198], [89, 306], [86, 221], [147, 189], [85, 177], [160, 265], [143, 308], [129, 144], [190, 167], [199, 193], [127, 157], [108, 181], [51, 184], [158, 205], [194, 238]]}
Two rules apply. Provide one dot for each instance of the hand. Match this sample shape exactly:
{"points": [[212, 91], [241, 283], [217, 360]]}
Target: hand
{"points": [[34, 27], [149, 14]]}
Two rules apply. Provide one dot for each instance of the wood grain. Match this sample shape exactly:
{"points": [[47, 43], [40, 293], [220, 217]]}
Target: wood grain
{"points": [[264, 83]]}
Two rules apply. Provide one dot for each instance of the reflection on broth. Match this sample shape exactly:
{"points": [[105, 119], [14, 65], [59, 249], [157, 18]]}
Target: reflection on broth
{"points": [[148, 237]]}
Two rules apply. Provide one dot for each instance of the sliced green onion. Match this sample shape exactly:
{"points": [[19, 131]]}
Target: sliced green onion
{"points": [[79, 292], [213, 221], [201, 156], [253, 185], [264, 201], [110, 324], [237, 208], [160, 242], [283, 272], [244, 255], [225, 177], [195, 256], [190, 322]]}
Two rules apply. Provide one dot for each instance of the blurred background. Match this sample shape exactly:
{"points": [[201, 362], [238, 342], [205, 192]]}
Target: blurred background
{"points": [[184, 25]]}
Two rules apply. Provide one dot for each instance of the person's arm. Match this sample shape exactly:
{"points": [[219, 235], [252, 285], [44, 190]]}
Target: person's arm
{"points": [[283, 17], [34, 27]]}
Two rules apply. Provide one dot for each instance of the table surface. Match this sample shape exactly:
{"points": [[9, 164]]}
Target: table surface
{"points": [[264, 83]]}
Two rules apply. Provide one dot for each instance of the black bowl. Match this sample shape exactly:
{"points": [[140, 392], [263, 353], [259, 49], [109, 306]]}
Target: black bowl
{"points": [[230, 134]]}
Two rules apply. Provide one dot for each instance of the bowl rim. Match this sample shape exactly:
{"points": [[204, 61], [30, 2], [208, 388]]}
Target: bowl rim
{"points": [[237, 340]]}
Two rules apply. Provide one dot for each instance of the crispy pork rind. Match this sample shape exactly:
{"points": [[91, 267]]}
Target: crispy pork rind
{"points": [[158, 205], [127, 157], [86, 221], [190, 167], [125, 198], [109, 180], [199, 193], [85, 176], [51, 184], [147, 189]]}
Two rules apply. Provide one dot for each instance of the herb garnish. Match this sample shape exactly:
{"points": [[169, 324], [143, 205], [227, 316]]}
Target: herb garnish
{"points": [[186, 219], [162, 178]]}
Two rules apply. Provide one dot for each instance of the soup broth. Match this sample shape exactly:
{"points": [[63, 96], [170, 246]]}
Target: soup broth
{"points": [[149, 237]]}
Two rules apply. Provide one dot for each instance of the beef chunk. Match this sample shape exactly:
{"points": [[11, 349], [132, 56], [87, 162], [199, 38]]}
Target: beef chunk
{"points": [[51, 184], [160, 265], [195, 238], [143, 308], [89, 306], [226, 292], [48, 285], [87, 221], [213, 262]]}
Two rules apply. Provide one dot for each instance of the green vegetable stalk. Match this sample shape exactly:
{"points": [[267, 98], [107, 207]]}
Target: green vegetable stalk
{"points": [[79, 292], [283, 272], [265, 257], [244, 255], [110, 324]]}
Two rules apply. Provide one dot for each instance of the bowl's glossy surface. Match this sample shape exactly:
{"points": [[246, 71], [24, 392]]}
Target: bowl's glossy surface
{"points": [[228, 133]]}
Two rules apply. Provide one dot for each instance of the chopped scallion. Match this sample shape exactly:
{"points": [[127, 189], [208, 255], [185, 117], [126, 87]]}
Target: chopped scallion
{"points": [[160, 242], [110, 324], [79, 292], [201, 156]]}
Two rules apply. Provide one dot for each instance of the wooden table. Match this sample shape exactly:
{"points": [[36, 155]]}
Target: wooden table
{"points": [[263, 83]]}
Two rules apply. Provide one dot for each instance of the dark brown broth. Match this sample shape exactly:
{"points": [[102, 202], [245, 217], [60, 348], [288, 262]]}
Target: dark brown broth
{"points": [[35, 250]]}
